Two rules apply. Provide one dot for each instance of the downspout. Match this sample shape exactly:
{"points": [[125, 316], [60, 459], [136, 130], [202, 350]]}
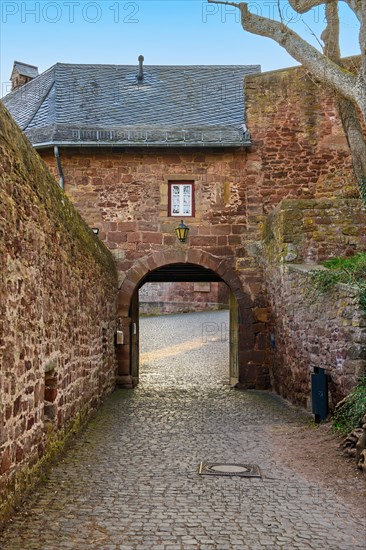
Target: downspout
{"points": [[59, 167]]}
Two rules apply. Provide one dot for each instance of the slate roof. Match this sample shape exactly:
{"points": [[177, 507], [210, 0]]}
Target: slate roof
{"points": [[105, 105]]}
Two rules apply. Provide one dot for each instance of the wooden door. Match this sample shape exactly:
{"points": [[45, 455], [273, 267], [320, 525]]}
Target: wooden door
{"points": [[135, 344], [234, 340]]}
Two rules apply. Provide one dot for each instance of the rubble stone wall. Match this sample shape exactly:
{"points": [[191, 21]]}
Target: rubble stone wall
{"points": [[58, 290], [299, 147], [311, 329], [165, 298]]}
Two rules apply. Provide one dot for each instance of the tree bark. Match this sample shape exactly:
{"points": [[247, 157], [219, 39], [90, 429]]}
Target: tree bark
{"points": [[356, 140], [346, 109]]}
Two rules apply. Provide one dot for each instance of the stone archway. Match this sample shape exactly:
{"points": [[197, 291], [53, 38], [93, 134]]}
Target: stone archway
{"points": [[252, 371]]}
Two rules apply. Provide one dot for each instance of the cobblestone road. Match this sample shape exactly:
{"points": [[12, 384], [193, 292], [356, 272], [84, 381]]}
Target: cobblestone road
{"points": [[131, 481]]}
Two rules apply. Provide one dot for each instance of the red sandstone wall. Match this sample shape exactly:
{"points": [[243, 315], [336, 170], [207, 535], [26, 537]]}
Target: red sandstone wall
{"points": [[298, 151], [313, 329], [58, 315], [299, 148], [313, 230], [125, 194], [160, 298]]}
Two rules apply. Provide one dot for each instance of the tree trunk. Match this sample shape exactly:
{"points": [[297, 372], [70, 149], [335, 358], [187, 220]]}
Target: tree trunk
{"points": [[356, 141], [348, 112]]}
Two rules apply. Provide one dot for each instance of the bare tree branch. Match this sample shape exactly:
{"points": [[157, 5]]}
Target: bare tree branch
{"points": [[330, 35], [279, 10], [303, 6], [343, 82], [358, 7], [312, 32], [224, 3]]}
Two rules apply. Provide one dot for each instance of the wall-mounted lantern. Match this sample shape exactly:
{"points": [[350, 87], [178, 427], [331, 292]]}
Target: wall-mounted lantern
{"points": [[119, 337], [182, 232]]}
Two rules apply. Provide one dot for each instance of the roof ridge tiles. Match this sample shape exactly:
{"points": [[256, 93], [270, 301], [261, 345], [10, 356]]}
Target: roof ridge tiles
{"points": [[39, 104]]}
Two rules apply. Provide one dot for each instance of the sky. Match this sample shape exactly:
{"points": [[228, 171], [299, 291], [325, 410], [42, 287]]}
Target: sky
{"points": [[166, 32]]}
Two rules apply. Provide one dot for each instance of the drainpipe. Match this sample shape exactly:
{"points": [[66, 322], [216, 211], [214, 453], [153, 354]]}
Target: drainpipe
{"points": [[59, 167]]}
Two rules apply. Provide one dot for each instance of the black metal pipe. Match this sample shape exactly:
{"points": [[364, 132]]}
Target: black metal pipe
{"points": [[140, 75], [59, 167]]}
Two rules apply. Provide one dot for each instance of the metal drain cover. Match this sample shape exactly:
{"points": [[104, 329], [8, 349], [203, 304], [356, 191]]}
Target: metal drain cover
{"points": [[228, 469]]}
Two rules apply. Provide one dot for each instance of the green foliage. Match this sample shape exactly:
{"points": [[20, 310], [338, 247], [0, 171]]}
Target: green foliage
{"points": [[354, 265], [351, 271], [349, 415]]}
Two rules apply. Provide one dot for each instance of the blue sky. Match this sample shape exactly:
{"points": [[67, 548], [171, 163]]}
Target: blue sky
{"points": [[189, 32]]}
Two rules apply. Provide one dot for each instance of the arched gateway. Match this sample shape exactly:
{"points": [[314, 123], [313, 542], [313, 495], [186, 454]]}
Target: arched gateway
{"points": [[246, 360]]}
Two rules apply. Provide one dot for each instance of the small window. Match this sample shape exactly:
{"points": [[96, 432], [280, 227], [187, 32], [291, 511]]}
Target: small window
{"points": [[181, 198]]}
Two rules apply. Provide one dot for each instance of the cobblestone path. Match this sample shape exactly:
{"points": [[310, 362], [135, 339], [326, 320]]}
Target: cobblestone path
{"points": [[131, 481]]}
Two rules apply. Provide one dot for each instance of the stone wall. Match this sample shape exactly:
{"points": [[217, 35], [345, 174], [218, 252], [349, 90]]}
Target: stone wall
{"points": [[161, 298], [125, 195], [314, 230], [298, 151], [299, 147], [311, 329], [58, 291]]}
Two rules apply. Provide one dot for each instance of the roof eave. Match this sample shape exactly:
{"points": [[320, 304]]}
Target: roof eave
{"points": [[121, 145]]}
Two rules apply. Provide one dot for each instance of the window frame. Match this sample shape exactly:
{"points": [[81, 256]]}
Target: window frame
{"points": [[170, 202]]}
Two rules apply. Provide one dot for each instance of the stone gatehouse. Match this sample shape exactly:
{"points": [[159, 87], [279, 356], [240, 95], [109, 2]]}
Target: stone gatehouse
{"points": [[137, 149], [265, 186]]}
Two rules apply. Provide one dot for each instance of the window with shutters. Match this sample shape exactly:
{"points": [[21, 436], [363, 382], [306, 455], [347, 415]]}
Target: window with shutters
{"points": [[181, 198]]}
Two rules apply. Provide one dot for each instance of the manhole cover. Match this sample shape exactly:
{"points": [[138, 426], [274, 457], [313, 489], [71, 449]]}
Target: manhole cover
{"points": [[228, 469]]}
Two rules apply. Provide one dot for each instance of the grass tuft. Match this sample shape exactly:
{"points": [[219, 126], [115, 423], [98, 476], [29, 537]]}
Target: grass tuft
{"points": [[348, 415], [350, 271]]}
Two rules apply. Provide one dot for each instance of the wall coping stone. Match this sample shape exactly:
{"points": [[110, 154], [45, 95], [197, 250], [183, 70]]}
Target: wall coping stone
{"points": [[305, 269]]}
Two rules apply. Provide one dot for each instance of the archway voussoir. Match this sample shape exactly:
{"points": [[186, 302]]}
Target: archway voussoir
{"points": [[159, 258], [234, 283], [174, 256], [123, 299], [141, 267], [150, 263], [246, 316], [244, 300], [137, 272], [210, 263], [134, 275], [224, 269], [123, 310], [194, 256], [144, 266], [128, 287]]}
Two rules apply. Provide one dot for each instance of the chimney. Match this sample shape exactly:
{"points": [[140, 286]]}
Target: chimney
{"points": [[21, 74], [140, 76]]}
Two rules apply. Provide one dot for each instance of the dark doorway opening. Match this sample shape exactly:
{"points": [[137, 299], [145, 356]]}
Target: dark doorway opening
{"points": [[196, 275]]}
